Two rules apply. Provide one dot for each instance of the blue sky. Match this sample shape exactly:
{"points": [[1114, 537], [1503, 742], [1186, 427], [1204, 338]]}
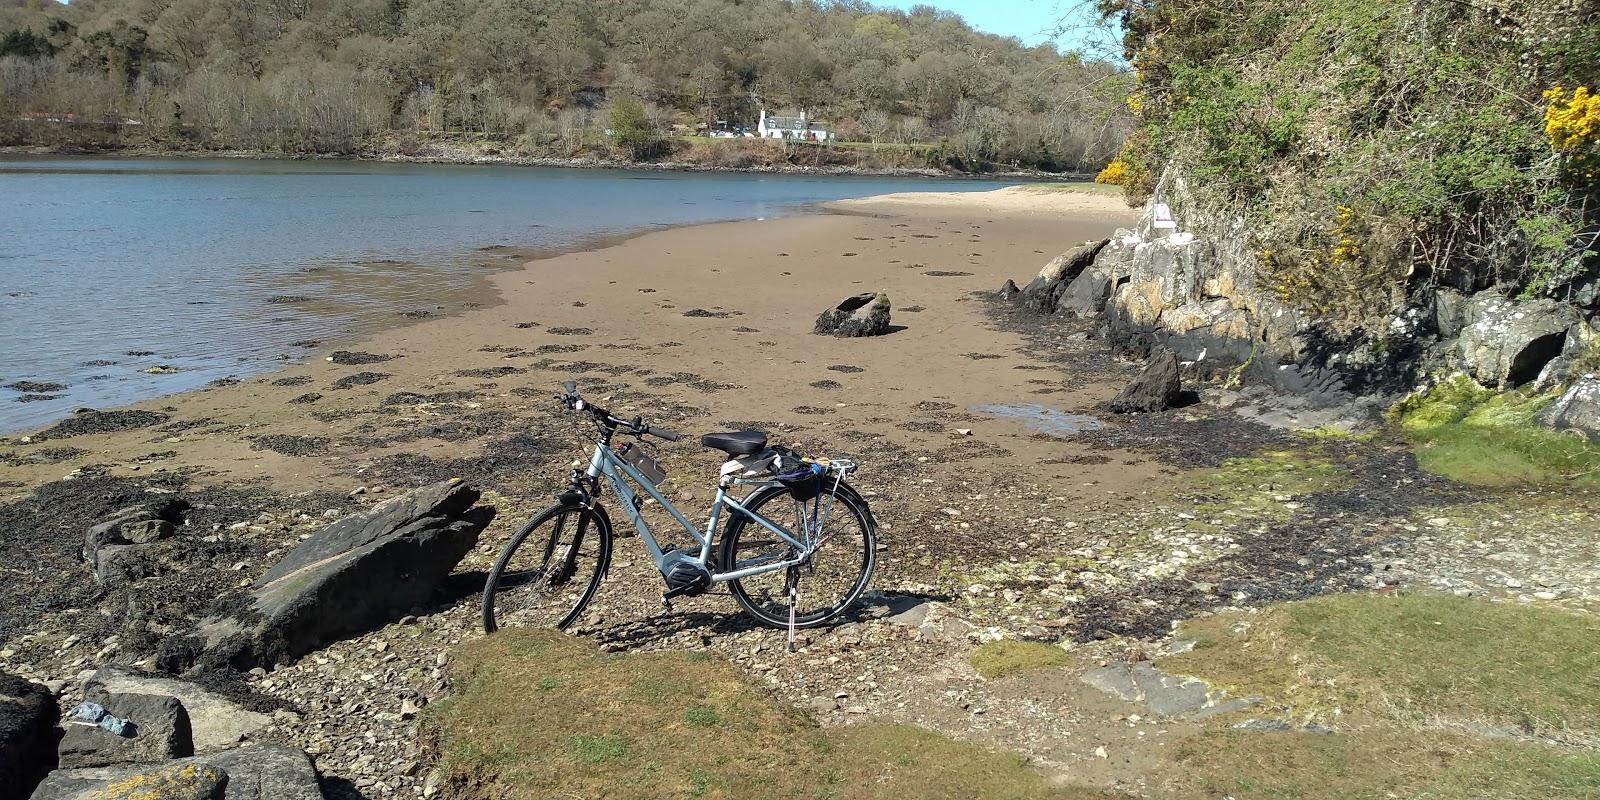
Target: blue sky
{"points": [[1032, 21]]}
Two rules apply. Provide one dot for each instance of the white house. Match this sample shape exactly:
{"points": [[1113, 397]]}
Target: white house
{"points": [[793, 126]]}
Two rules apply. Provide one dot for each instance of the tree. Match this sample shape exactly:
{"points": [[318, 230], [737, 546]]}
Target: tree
{"points": [[630, 127]]}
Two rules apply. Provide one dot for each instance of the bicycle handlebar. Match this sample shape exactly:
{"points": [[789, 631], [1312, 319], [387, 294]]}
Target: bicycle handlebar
{"points": [[636, 426]]}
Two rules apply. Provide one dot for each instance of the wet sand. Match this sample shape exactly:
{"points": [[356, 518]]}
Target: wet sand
{"points": [[695, 328]]}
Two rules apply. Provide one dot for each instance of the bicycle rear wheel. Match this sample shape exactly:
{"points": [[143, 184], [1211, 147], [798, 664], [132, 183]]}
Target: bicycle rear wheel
{"points": [[826, 585], [550, 569]]}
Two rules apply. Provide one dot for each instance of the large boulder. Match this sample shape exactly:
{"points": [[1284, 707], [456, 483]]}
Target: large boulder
{"points": [[1155, 389], [257, 772], [1507, 343], [1577, 410], [354, 575], [860, 315], [160, 732], [215, 722], [1042, 294], [28, 716]]}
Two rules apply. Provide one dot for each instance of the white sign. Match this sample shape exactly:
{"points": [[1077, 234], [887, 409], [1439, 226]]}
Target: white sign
{"points": [[1163, 217]]}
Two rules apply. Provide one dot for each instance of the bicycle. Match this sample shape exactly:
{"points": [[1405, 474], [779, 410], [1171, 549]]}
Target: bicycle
{"points": [[552, 567]]}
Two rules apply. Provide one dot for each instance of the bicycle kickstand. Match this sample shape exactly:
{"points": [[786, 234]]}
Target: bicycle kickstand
{"points": [[794, 599]]}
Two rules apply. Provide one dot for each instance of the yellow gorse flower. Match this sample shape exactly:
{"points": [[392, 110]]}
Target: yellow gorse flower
{"points": [[1115, 173], [1572, 119]]}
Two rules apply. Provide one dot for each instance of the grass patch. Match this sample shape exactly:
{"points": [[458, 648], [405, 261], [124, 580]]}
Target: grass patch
{"points": [[1474, 435], [661, 724], [1258, 487], [1005, 657], [1076, 187], [1248, 765], [1419, 658]]}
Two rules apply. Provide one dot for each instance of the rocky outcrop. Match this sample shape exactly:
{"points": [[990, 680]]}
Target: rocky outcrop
{"points": [[28, 716], [1189, 281], [1156, 388], [1507, 343], [358, 573], [215, 722], [1042, 294], [258, 772], [860, 315], [159, 732], [1578, 410]]}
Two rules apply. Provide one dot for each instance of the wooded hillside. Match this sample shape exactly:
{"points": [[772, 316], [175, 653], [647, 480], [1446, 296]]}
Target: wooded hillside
{"points": [[337, 75]]}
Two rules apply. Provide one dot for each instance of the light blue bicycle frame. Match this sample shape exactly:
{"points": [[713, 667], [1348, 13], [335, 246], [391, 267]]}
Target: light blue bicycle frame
{"points": [[608, 464]]}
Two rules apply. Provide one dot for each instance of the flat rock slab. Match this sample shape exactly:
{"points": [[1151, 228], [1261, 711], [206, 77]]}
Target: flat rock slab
{"points": [[215, 722], [1165, 695], [28, 715], [160, 732], [257, 772], [354, 575]]}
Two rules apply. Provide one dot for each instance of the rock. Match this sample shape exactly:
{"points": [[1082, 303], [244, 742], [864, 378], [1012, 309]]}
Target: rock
{"points": [[1577, 410], [160, 733], [257, 772], [1068, 265], [1008, 290], [1085, 295], [354, 575], [1155, 389], [1040, 295], [28, 716], [176, 781], [215, 722], [1166, 695], [139, 524], [860, 315], [1507, 343]]}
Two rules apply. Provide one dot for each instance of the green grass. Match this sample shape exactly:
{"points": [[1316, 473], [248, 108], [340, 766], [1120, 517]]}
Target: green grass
{"points": [[1474, 435], [1251, 487], [661, 724], [1421, 688], [1248, 765], [1411, 657], [1005, 657], [1084, 187]]}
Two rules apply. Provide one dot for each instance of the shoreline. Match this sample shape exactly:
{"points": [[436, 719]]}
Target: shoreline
{"points": [[481, 291], [548, 162]]}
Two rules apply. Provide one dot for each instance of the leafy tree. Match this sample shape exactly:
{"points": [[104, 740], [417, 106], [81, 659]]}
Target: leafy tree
{"points": [[632, 130]]}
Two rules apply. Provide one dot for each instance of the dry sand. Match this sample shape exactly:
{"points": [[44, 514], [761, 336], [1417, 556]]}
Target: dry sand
{"points": [[624, 306]]}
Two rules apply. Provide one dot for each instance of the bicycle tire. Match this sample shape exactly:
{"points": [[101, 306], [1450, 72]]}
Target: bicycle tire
{"points": [[755, 594], [592, 524]]}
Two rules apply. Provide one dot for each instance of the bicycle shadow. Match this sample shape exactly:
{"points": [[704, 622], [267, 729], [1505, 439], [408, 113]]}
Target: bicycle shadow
{"points": [[663, 626]]}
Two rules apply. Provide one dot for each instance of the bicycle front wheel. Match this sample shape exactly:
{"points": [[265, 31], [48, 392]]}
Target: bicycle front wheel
{"points": [[550, 569], [827, 584]]}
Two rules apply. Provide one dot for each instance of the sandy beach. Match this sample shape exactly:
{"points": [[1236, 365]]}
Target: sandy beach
{"points": [[714, 320]]}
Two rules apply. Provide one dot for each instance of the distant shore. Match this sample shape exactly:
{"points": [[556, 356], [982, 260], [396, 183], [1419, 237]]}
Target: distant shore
{"points": [[466, 157]]}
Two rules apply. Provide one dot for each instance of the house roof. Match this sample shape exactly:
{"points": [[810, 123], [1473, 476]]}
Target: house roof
{"points": [[795, 124]]}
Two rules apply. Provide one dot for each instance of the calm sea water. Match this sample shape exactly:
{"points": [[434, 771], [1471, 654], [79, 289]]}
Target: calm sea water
{"points": [[226, 267]]}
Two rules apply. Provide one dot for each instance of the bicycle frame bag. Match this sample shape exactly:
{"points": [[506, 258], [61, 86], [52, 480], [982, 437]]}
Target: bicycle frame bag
{"points": [[637, 458]]}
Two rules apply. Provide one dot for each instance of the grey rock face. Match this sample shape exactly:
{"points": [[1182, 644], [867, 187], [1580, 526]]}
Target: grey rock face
{"points": [[351, 576], [1576, 410], [215, 722], [1086, 295], [1042, 294], [1008, 290], [1155, 389], [1507, 343], [28, 715], [257, 772], [860, 315], [160, 733]]}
